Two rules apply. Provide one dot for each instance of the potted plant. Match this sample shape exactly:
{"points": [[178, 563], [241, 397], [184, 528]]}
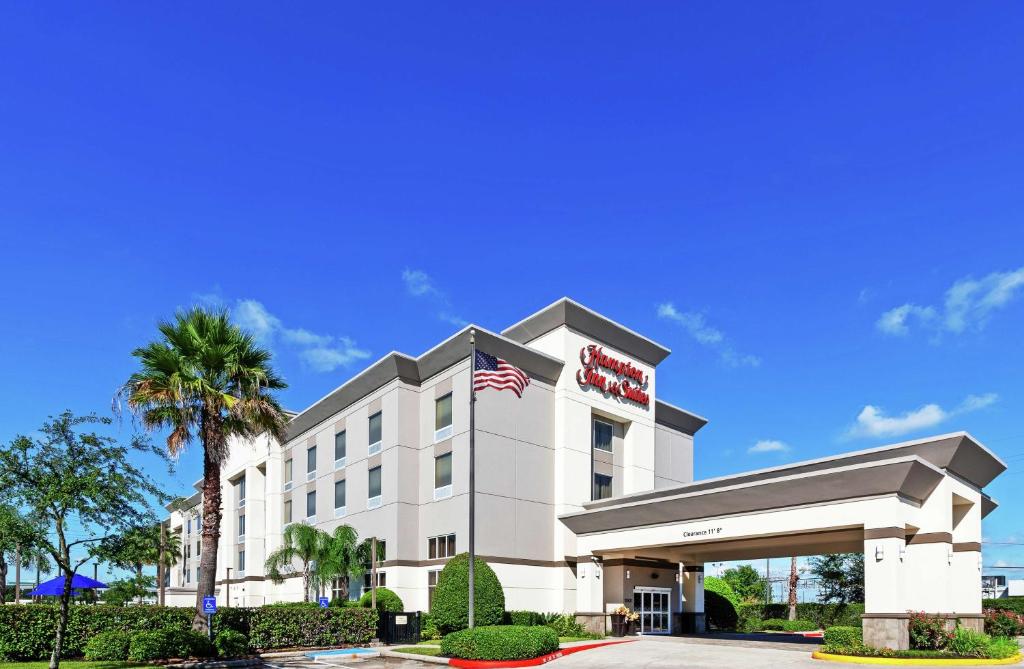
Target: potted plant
{"points": [[619, 617], [631, 618]]}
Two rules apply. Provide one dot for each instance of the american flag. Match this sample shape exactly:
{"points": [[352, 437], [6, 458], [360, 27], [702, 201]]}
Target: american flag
{"points": [[492, 372]]}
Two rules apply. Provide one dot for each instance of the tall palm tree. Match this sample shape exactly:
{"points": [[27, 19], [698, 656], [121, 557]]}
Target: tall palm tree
{"points": [[304, 543], [167, 560], [205, 378]]}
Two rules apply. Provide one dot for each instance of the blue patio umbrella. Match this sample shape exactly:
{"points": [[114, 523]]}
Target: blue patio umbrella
{"points": [[55, 586]]}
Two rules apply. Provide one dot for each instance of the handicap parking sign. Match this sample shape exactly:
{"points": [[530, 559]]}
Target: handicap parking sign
{"points": [[209, 605], [324, 602]]}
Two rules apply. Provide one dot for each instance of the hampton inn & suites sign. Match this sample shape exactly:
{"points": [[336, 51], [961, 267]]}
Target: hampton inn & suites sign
{"points": [[623, 381]]}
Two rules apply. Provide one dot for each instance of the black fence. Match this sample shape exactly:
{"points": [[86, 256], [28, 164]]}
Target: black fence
{"points": [[399, 627]]}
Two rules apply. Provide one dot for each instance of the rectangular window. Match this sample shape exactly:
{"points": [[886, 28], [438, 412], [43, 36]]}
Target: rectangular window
{"points": [[602, 486], [339, 498], [199, 548], [288, 474], [443, 417], [241, 527], [199, 572], [441, 547], [311, 505], [431, 586], [443, 476], [602, 436], [382, 580], [188, 527], [240, 492], [241, 562], [375, 490], [287, 511], [339, 450], [311, 463], [375, 423], [199, 523], [188, 576]]}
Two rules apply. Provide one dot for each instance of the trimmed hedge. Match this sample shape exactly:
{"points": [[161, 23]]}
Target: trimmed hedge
{"points": [[500, 642], [843, 636], [1015, 604], [27, 632], [779, 625], [387, 600], [108, 646], [822, 615], [720, 604], [450, 609], [230, 643], [165, 644]]}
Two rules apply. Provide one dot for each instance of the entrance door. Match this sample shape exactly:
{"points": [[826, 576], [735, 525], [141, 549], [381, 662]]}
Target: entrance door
{"points": [[655, 609]]}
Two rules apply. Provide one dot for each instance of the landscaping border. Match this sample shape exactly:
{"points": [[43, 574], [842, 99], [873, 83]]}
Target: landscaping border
{"points": [[918, 661], [504, 664]]}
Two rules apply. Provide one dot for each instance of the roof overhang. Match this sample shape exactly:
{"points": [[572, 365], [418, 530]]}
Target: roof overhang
{"points": [[909, 476], [577, 317], [676, 418]]}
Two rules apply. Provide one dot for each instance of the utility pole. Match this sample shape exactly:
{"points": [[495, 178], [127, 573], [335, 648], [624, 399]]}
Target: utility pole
{"points": [[472, 479]]}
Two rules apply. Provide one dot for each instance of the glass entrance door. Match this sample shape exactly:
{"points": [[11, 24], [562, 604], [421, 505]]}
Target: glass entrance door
{"points": [[655, 609]]}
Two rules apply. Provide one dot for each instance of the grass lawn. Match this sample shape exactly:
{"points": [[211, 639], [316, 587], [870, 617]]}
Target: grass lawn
{"points": [[70, 664], [420, 650], [567, 639], [429, 642]]}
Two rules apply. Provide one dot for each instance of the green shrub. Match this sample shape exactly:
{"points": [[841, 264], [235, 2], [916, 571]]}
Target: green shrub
{"points": [[749, 618], [1015, 604], [778, 625], [822, 615], [928, 632], [230, 643], [967, 643], [1001, 648], [500, 642], [450, 609], [1000, 622], [527, 618], [565, 624], [843, 636], [288, 627], [386, 600], [720, 604], [428, 628], [164, 644], [108, 646]]}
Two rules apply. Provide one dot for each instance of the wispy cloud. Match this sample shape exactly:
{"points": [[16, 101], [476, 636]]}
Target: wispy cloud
{"points": [[873, 422], [769, 446], [320, 352], [969, 305], [420, 284], [696, 325]]}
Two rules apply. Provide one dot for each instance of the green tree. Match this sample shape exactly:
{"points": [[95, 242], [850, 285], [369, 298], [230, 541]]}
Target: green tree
{"points": [[19, 540], [133, 549], [125, 590], [840, 577], [343, 557], [205, 378], [73, 479], [746, 582], [450, 610], [166, 561], [304, 543]]}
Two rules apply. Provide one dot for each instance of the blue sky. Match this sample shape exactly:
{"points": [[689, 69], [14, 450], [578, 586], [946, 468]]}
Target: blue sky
{"points": [[816, 206]]}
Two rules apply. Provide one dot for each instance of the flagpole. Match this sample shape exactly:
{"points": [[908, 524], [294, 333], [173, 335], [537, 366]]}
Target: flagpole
{"points": [[472, 477]]}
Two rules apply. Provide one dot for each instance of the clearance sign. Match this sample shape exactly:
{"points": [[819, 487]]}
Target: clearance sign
{"points": [[625, 381]]}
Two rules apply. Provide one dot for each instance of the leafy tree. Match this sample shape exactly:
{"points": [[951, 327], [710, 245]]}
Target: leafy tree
{"points": [[123, 591], [71, 478], [205, 378], [132, 549], [840, 577], [746, 582], [19, 539]]}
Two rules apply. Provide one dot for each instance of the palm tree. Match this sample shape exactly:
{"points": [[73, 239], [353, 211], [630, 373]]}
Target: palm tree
{"points": [[344, 557], [167, 560], [304, 543], [205, 378]]}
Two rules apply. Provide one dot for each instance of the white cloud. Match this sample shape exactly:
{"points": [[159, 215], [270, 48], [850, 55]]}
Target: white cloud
{"points": [[770, 446], [873, 422], [695, 324], [420, 284], [969, 305], [322, 353]]}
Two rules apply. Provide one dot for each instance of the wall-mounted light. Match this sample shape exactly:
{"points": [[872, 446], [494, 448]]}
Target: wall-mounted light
{"points": [[879, 553], [949, 554], [627, 573], [903, 552]]}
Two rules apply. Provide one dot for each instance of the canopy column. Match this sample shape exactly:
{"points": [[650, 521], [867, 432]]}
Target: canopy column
{"points": [[691, 618]]}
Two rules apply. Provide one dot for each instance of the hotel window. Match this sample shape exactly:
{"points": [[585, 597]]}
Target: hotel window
{"points": [[240, 492], [443, 476], [287, 511], [311, 506], [288, 474], [199, 572], [339, 498], [188, 551], [311, 463], [374, 496], [199, 523], [339, 450], [241, 563], [375, 421], [602, 486], [431, 586], [443, 417], [241, 527], [602, 436], [188, 576], [382, 580], [188, 526], [199, 548], [441, 547]]}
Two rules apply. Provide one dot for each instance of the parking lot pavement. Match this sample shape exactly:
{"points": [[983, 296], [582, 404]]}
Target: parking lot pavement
{"points": [[684, 653], [340, 662]]}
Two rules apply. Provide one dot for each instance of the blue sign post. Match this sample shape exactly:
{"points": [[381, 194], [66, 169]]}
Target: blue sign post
{"points": [[324, 602], [209, 608]]}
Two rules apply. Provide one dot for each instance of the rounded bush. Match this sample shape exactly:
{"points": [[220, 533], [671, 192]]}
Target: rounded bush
{"points": [[450, 609], [720, 604], [387, 600], [108, 647], [844, 636], [500, 642], [428, 628], [164, 644], [231, 644]]}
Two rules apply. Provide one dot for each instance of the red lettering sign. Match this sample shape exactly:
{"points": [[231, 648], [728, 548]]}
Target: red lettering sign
{"points": [[627, 383]]}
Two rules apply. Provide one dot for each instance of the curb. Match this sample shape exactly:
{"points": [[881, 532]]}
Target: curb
{"points": [[917, 661], [534, 662], [432, 659]]}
